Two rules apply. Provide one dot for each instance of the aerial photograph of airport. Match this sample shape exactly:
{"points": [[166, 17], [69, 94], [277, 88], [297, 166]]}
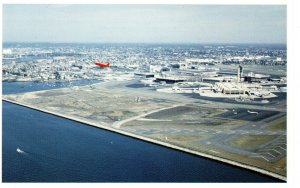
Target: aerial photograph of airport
{"points": [[144, 93]]}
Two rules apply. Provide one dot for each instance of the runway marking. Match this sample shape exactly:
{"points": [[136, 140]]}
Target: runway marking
{"points": [[259, 156], [273, 150], [268, 154], [282, 148]]}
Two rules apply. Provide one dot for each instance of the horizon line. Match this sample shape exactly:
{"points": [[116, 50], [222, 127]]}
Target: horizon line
{"points": [[282, 43]]}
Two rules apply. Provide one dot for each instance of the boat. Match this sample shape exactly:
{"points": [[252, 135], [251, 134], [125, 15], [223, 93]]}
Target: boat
{"points": [[19, 150]]}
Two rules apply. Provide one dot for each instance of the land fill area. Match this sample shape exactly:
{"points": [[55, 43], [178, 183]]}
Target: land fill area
{"points": [[246, 135]]}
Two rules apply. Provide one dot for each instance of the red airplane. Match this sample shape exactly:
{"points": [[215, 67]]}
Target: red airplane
{"points": [[101, 65]]}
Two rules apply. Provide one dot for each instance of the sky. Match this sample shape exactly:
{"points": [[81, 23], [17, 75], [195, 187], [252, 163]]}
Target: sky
{"points": [[145, 23]]}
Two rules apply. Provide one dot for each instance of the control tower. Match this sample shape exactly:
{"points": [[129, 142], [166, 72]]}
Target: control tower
{"points": [[239, 73]]}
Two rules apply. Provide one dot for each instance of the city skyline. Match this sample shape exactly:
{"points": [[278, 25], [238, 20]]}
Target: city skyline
{"points": [[145, 23]]}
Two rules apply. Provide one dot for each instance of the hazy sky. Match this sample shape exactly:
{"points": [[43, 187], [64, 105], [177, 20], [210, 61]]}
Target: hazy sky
{"points": [[145, 23]]}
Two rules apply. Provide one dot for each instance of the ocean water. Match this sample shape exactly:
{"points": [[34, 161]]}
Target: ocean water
{"points": [[53, 149]]}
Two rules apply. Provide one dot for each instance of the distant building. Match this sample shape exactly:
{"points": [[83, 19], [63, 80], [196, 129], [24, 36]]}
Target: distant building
{"points": [[7, 51], [252, 77]]}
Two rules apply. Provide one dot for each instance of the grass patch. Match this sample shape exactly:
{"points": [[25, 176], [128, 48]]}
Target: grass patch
{"points": [[250, 142], [278, 125]]}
